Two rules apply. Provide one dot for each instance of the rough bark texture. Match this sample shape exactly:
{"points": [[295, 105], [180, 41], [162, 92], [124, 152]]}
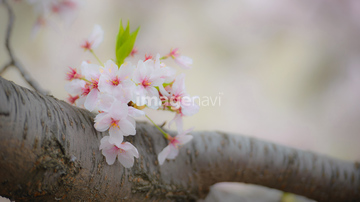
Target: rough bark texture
{"points": [[49, 150]]}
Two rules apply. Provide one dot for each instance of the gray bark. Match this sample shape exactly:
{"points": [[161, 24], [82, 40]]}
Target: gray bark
{"points": [[49, 150]]}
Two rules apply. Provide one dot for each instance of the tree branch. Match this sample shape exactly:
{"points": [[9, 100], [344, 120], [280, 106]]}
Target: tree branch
{"points": [[13, 61], [50, 150]]}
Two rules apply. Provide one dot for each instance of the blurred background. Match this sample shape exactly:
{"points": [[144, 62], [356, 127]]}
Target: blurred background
{"points": [[284, 71]]}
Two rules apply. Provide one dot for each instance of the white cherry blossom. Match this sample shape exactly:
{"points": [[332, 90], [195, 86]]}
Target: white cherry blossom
{"points": [[118, 122], [172, 150], [167, 73], [180, 102], [124, 151], [184, 61], [95, 38], [113, 76], [147, 78], [46, 9], [92, 74]]}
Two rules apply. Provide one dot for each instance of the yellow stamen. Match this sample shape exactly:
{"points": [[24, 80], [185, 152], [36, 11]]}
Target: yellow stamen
{"points": [[113, 124]]}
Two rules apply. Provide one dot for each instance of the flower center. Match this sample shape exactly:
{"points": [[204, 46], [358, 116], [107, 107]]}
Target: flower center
{"points": [[72, 74], [146, 82], [114, 123], [174, 141], [86, 45], [174, 53], [72, 99], [94, 83], [148, 57], [119, 149], [115, 81], [86, 90], [176, 98]]}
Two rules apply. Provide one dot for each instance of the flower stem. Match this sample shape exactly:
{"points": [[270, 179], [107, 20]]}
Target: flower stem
{"points": [[161, 130], [82, 78], [164, 57], [91, 51]]}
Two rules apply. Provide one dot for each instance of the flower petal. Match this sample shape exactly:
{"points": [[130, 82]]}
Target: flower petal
{"points": [[123, 94], [126, 71], [140, 72], [102, 122], [156, 79], [90, 71], [184, 61], [128, 147], [169, 74], [189, 108], [105, 102], [127, 127], [119, 110], [178, 86], [139, 96], [104, 84], [154, 102], [183, 139], [110, 155], [104, 143], [75, 86], [174, 151], [163, 91], [110, 68], [91, 100], [116, 136], [135, 112], [96, 37], [157, 61], [80, 102], [163, 154], [178, 122], [126, 159], [131, 120]]}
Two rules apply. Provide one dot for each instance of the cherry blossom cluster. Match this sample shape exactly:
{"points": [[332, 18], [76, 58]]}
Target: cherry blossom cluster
{"points": [[119, 91], [47, 9]]}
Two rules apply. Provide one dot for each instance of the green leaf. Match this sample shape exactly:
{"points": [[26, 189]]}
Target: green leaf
{"points": [[167, 84], [121, 31], [123, 35], [121, 27], [125, 42]]}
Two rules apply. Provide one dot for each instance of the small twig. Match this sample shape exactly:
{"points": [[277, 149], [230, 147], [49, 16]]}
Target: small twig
{"points": [[13, 61], [162, 125]]}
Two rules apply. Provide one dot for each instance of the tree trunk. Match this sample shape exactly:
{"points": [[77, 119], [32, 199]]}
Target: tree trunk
{"points": [[50, 151]]}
